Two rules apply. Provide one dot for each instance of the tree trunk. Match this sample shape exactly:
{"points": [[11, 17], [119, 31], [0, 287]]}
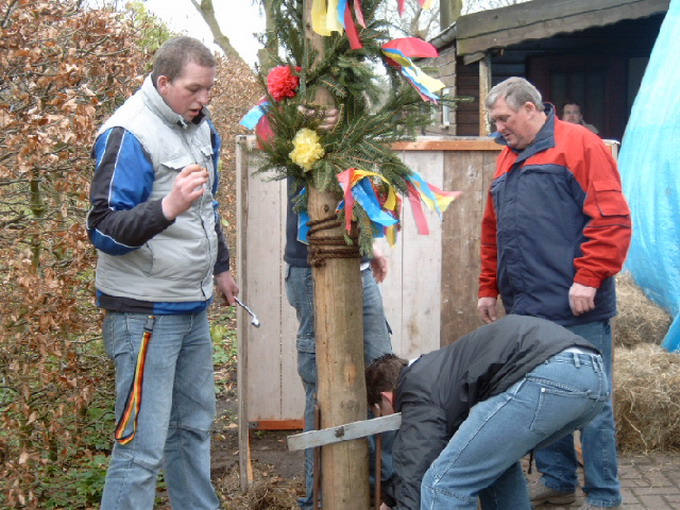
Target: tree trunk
{"points": [[207, 11], [449, 11], [338, 306], [266, 54]]}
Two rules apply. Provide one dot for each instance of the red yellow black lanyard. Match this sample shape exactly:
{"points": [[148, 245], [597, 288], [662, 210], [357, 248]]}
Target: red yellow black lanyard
{"points": [[133, 403]]}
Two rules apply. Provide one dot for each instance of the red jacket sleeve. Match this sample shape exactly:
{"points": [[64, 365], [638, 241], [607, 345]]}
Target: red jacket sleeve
{"points": [[489, 252], [609, 229]]}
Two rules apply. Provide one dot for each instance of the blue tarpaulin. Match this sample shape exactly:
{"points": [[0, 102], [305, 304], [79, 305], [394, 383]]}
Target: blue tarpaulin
{"points": [[650, 169]]}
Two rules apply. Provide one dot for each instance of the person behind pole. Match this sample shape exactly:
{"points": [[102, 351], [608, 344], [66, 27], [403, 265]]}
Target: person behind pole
{"points": [[472, 410], [555, 231], [572, 112], [161, 251], [300, 292], [299, 282]]}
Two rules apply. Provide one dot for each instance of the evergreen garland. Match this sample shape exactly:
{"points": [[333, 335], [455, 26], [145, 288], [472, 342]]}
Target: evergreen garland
{"points": [[372, 116]]}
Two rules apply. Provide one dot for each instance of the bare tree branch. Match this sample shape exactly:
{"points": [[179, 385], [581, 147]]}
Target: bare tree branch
{"points": [[207, 12]]}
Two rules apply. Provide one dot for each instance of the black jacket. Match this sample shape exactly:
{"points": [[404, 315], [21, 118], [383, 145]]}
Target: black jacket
{"points": [[436, 392]]}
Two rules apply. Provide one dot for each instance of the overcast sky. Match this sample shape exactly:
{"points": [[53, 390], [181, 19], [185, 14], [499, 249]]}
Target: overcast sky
{"points": [[239, 20]]}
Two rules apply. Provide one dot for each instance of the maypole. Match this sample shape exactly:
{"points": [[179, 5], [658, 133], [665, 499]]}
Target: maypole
{"points": [[348, 182], [338, 320]]}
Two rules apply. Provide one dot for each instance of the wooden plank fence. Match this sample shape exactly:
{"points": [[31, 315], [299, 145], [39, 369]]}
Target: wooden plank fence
{"points": [[429, 294]]}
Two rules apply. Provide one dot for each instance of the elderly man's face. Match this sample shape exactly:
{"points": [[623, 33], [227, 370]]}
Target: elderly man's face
{"points": [[572, 113], [516, 126]]}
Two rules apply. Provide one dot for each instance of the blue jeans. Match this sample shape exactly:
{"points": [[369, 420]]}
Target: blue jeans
{"points": [[176, 415], [482, 459], [300, 290], [558, 463]]}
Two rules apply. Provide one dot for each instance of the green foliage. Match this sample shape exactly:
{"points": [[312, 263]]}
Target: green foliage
{"points": [[152, 31], [371, 118]]}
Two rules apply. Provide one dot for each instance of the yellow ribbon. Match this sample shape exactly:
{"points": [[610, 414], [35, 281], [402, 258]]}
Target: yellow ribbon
{"points": [[325, 17]]}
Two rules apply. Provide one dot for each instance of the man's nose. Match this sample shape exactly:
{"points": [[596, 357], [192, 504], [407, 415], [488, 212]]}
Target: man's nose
{"points": [[204, 97]]}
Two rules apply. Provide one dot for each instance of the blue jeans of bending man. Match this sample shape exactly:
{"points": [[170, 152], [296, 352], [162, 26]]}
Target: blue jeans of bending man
{"points": [[176, 415], [482, 459], [558, 463], [300, 290]]}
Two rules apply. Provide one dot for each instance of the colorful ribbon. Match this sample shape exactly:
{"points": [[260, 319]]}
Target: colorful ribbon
{"points": [[399, 53], [330, 16], [358, 188], [435, 199], [134, 399], [255, 114], [422, 192]]}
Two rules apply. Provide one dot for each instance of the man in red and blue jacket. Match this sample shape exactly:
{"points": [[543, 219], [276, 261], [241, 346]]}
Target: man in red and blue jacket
{"points": [[556, 230]]}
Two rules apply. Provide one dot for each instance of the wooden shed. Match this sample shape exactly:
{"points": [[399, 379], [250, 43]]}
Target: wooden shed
{"points": [[590, 52]]}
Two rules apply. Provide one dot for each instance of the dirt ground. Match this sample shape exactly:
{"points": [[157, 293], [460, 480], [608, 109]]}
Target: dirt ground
{"points": [[277, 472]]}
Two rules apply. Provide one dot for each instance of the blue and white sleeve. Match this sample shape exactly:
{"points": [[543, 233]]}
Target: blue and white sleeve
{"points": [[122, 218]]}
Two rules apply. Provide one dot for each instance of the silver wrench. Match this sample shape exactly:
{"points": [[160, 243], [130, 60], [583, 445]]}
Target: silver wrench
{"points": [[255, 321]]}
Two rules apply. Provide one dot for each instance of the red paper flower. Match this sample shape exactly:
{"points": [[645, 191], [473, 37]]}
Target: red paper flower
{"points": [[282, 83]]}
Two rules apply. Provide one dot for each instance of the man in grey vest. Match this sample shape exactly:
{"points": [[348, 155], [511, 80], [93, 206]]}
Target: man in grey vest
{"points": [[161, 251]]}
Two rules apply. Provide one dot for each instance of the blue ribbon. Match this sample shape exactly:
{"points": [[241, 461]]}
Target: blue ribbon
{"points": [[364, 194], [251, 119], [342, 6]]}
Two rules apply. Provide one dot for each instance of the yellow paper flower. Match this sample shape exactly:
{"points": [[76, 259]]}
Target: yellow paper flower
{"points": [[306, 149]]}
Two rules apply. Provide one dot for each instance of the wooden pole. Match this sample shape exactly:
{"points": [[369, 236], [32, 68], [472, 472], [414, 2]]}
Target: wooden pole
{"points": [[338, 306], [484, 88]]}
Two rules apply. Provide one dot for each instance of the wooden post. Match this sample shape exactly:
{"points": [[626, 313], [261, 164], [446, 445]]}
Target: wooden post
{"points": [[338, 307], [484, 88]]}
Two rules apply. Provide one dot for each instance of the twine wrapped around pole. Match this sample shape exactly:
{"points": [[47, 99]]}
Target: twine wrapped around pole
{"points": [[322, 248]]}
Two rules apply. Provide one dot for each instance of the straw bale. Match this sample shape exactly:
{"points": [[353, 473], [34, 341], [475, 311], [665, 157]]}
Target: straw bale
{"points": [[639, 320], [647, 399]]}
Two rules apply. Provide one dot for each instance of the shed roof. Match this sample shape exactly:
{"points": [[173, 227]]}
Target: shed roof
{"points": [[539, 19]]}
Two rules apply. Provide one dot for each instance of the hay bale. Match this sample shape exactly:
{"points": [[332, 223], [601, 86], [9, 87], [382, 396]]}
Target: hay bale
{"points": [[640, 320], [647, 399]]}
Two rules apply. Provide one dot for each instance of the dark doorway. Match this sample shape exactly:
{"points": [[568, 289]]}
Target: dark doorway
{"points": [[598, 84]]}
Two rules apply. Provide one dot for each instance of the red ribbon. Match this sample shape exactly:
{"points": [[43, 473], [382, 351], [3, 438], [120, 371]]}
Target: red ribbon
{"points": [[351, 28], [413, 47], [417, 208], [347, 178]]}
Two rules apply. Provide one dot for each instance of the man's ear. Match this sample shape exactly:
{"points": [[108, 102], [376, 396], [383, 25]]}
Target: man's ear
{"points": [[386, 402], [162, 84], [530, 107]]}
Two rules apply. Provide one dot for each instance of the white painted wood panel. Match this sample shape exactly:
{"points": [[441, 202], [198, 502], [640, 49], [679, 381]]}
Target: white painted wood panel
{"points": [[269, 386]]}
